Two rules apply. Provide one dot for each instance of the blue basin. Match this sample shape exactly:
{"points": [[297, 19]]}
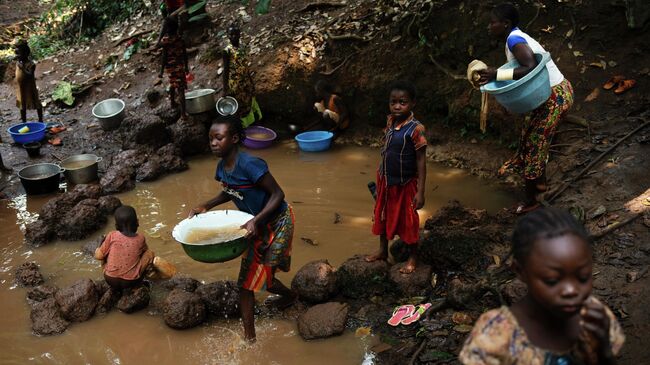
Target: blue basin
{"points": [[36, 132], [315, 141], [526, 94]]}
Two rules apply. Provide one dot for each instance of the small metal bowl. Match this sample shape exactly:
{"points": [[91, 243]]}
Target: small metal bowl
{"points": [[227, 105]]}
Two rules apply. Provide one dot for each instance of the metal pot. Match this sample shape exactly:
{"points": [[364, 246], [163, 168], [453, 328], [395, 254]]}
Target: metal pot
{"points": [[41, 178], [227, 105], [81, 169], [109, 113], [199, 101]]}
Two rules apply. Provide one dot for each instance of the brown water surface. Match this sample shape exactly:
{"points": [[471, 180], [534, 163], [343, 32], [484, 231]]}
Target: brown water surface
{"points": [[322, 188]]}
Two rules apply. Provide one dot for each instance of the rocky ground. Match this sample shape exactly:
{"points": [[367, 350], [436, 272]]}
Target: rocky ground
{"points": [[362, 46]]}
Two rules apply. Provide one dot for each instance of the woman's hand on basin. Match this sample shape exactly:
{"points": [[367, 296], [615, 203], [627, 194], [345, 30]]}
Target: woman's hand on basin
{"points": [[198, 210]]}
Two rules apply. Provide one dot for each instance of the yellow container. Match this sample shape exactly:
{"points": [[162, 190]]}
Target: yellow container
{"points": [[23, 130]]}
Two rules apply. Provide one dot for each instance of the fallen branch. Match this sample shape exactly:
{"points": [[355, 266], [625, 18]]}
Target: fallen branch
{"points": [[564, 186], [327, 73], [570, 130], [443, 69], [614, 226], [574, 119], [136, 34], [347, 36], [539, 7], [418, 351], [562, 145], [321, 4]]}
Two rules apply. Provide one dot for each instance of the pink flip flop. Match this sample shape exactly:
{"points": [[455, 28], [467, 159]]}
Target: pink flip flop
{"points": [[416, 315], [401, 312]]}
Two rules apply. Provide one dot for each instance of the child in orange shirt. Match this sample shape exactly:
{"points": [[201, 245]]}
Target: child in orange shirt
{"points": [[125, 251]]}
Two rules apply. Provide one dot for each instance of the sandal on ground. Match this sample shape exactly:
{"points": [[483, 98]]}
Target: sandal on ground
{"points": [[613, 82], [401, 312], [523, 208], [417, 314], [624, 85]]}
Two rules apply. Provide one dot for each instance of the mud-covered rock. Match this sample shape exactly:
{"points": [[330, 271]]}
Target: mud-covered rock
{"points": [[513, 291], [108, 300], [28, 274], [108, 204], [182, 309], [40, 293], [46, 318], [190, 136], [182, 282], [130, 158], [315, 282], [416, 283], [171, 158], [134, 299], [77, 302], [323, 320], [144, 130], [150, 170], [167, 114], [39, 233], [221, 298], [357, 278], [153, 96], [118, 179], [92, 245], [81, 221], [52, 210]]}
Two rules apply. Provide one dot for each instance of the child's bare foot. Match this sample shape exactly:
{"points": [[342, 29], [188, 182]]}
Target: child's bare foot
{"points": [[283, 302], [379, 256], [409, 267]]}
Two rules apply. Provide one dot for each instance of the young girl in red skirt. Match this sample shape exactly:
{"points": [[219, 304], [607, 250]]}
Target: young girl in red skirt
{"points": [[401, 176]]}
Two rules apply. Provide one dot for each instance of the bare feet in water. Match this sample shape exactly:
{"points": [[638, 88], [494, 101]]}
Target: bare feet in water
{"points": [[409, 267], [379, 256]]}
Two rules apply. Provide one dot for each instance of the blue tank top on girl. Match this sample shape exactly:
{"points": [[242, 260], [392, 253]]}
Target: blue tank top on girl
{"points": [[239, 184]]}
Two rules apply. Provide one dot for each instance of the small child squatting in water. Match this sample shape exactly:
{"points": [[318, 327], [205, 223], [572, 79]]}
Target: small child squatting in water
{"points": [[248, 183], [558, 322], [125, 251], [401, 176], [26, 91]]}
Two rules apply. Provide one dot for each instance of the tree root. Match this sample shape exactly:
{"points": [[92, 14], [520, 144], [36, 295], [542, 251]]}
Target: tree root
{"points": [[605, 231], [447, 72]]}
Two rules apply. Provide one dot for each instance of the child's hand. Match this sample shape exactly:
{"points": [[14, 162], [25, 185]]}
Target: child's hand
{"points": [[198, 210], [418, 201], [595, 322], [251, 227]]}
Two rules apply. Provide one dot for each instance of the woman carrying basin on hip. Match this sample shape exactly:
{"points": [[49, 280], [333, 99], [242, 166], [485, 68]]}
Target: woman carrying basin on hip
{"points": [[248, 183], [539, 129]]}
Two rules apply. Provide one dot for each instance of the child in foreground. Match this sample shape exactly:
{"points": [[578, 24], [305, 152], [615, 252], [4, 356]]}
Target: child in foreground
{"points": [[558, 322], [248, 183], [401, 176], [125, 252], [26, 91]]}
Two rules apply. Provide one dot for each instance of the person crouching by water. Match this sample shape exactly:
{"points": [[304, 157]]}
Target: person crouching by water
{"points": [[537, 134], [26, 91], [174, 61], [248, 183], [401, 176], [334, 116], [125, 251], [558, 321]]}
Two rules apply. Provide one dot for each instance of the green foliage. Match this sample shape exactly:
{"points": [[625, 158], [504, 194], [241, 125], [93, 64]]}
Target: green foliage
{"points": [[198, 18], [42, 45], [262, 6], [196, 8], [63, 93], [131, 50]]}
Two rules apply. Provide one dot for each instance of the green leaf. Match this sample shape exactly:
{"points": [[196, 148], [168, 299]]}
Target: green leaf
{"points": [[131, 50], [197, 18], [262, 6], [63, 93], [196, 7]]}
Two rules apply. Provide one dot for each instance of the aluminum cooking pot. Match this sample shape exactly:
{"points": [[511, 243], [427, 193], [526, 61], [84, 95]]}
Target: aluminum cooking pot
{"points": [[41, 178], [109, 113], [227, 105], [81, 169], [199, 101]]}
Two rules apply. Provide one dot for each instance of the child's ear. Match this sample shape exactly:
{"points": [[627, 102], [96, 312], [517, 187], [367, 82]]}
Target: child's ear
{"points": [[236, 138], [519, 271]]}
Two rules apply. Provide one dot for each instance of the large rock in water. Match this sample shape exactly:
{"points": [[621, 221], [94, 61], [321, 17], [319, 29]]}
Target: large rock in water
{"points": [[108, 204], [78, 301], [183, 309], [221, 298], [52, 210], [315, 282], [150, 170], [81, 221], [323, 320], [190, 136], [414, 284], [46, 318], [39, 233], [134, 299], [108, 300], [182, 282], [119, 176], [147, 130], [171, 158], [28, 274], [360, 279]]}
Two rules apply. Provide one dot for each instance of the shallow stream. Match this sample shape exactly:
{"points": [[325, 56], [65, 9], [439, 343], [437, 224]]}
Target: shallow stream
{"points": [[321, 187]]}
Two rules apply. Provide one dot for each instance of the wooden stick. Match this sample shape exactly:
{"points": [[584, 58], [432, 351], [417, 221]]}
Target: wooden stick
{"points": [[136, 34], [614, 226], [443, 69], [418, 351], [592, 163], [347, 36], [327, 73]]}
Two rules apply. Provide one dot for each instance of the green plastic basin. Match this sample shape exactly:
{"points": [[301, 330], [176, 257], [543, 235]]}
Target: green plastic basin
{"points": [[213, 251]]}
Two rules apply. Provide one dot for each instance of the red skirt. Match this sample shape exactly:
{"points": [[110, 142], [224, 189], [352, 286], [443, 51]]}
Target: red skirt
{"points": [[395, 213]]}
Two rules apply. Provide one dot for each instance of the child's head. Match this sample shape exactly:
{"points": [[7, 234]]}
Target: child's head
{"points": [[234, 33], [22, 50], [401, 100], [126, 220], [553, 256], [225, 134], [503, 18], [323, 88]]}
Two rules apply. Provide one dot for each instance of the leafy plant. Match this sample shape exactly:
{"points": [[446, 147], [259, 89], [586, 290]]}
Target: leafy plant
{"points": [[262, 6], [63, 93]]}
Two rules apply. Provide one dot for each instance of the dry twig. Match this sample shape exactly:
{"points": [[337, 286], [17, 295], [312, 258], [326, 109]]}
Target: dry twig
{"points": [[614, 226], [443, 69]]}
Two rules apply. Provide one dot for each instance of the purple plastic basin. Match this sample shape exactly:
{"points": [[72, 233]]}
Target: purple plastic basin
{"points": [[259, 137]]}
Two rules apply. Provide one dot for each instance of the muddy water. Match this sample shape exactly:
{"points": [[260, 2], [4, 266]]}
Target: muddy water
{"points": [[321, 187]]}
